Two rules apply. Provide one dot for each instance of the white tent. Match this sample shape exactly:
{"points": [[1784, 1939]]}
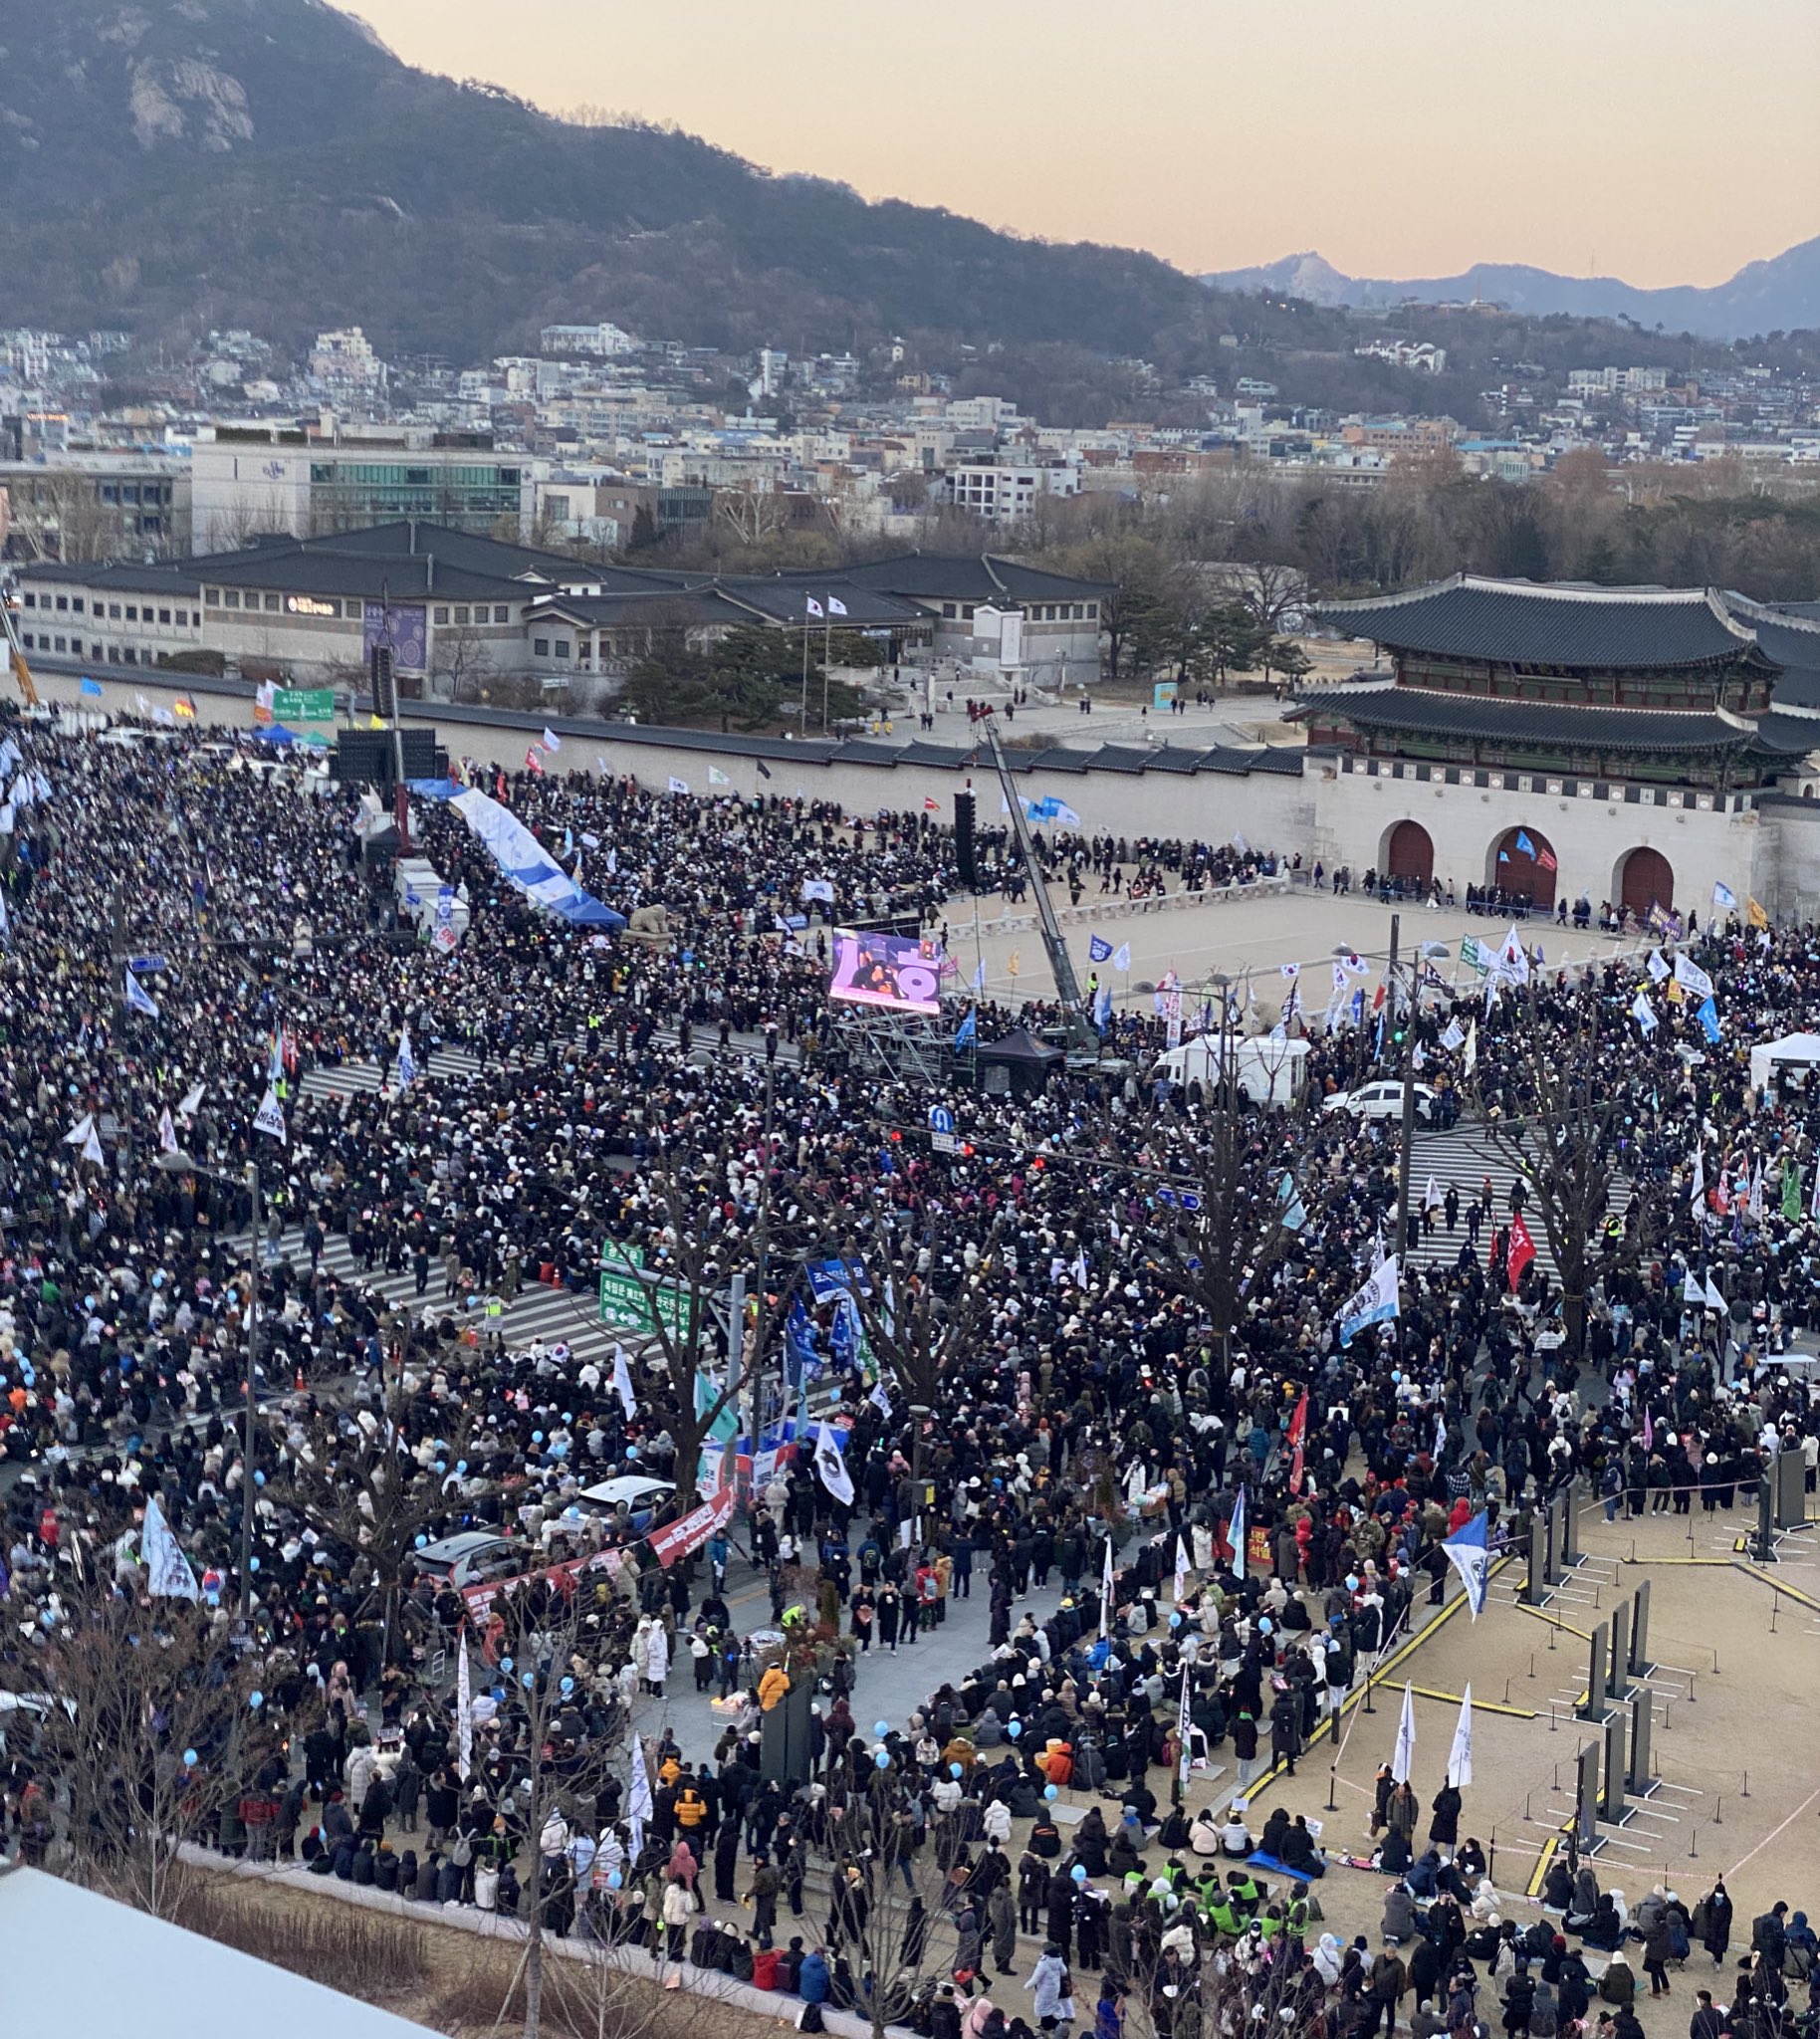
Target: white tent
{"points": [[1792, 1052]]}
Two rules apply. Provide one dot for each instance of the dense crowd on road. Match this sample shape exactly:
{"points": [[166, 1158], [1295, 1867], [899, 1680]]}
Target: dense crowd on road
{"points": [[1114, 1375]]}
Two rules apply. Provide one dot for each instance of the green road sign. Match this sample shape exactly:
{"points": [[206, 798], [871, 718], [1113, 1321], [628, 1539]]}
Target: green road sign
{"points": [[304, 704], [630, 1302]]}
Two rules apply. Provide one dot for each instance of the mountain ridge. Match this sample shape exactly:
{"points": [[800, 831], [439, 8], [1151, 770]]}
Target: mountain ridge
{"points": [[1780, 292]]}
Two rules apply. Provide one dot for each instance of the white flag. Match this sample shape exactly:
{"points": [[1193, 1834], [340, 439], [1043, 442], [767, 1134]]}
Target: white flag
{"points": [[78, 1135], [1658, 969], [715, 777], [1236, 1530], [1121, 960], [1452, 1039], [1643, 1012], [168, 1133], [812, 606], [1700, 1179], [92, 1147], [1714, 1301], [1181, 1568], [835, 607], [638, 1802], [1459, 1756], [407, 1062], [464, 1711], [192, 1102], [1469, 1062], [1432, 1198], [622, 1382], [1403, 1758], [269, 1119], [1105, 1593], [831, 1466], [552, 741], [1184, 1732], [162, 1555], [1375, 1301], [678, 784], [1724, 897], [1688, 973], [880, 1400]]}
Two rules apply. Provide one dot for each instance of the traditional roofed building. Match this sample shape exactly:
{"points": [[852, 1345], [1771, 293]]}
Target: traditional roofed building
{"points": [[1687, 700]]}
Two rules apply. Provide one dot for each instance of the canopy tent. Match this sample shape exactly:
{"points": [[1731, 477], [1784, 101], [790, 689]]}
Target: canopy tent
{"points": [[1026, 1060], [1792, 1052], [523, 859], [283, 738]]}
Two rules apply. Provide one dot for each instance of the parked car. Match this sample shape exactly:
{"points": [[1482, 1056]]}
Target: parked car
{"points": [[472, 1558], [1383, 1101]]}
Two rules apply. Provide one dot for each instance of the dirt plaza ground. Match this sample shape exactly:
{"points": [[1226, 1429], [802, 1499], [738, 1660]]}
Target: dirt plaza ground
{"points": [[1738, 1771]]}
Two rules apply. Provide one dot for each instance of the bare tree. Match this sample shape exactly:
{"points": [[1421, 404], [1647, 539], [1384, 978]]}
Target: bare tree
{"points": [[368, 1496], [1551, 1113], [148, 1734]]}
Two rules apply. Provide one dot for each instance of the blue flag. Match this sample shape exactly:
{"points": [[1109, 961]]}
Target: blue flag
{"points": [[969, 1030], [138, 998], [1707, 1013], [1102, 1007], [1524, 844], [92, 687], [407, 1062], [1098, 949]]}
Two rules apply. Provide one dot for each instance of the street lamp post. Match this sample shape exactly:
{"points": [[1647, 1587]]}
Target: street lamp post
{"points": [[176, 1162]]}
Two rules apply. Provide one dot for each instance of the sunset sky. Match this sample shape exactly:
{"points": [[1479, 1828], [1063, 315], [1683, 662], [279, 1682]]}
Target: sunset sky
{"points": [[1643, 139]]}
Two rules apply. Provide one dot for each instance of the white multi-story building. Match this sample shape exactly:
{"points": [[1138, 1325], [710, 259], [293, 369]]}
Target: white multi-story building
{"points": [[603, 342], [1005, 491]]}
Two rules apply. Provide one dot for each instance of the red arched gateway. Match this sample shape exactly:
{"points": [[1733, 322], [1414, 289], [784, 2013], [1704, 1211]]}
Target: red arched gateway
{"points": [[1408, 852], [1524, 861], [1646, 880]]}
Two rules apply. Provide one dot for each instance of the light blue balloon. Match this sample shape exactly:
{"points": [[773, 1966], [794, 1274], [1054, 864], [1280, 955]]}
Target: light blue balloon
{"points": [[882, 1758], [442, 1464], [256, 1700], [505, 1663], [190, 1760], [461, 1465], [528, 1680], [254, 1562], [258, 1479], [881, 1728], [569, 1684], [537, 1437], [422, 1541], [954, 1769], [1050, 1791], [1079, 1872], [614, 1880], [1013, 1728]]}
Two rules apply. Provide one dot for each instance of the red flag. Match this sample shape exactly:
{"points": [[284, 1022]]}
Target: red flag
{"points": [[1521, 1251], [1298, 1431], [532, 763], [1545, 858], [931, 807], [1377, 999]]}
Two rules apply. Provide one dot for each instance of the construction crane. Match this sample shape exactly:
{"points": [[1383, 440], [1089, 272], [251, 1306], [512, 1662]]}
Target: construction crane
{"points": [[21, 671], [1081, 1030]]}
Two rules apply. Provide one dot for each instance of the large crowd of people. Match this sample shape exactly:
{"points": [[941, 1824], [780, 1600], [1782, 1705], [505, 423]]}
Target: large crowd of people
{"points": [[692, 1101]]}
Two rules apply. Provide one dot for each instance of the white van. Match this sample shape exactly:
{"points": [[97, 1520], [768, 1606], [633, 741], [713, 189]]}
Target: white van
{"points": [[1267, 1072]]}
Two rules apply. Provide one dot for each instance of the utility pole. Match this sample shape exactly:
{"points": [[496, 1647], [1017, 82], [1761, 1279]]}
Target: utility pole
{"points": [[246, 1437], [1409, 1093]]}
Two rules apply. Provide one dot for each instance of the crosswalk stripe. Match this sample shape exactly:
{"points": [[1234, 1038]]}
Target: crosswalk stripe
{"points": [[1465, 1158]]}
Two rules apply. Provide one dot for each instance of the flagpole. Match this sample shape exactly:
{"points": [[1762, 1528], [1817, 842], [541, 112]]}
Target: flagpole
{"points": [[827, 660], [803, 712]]}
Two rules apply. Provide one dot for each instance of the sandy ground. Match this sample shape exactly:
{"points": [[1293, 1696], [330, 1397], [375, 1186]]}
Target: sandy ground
{"points": [[1739, 1778], [1255, 933]]}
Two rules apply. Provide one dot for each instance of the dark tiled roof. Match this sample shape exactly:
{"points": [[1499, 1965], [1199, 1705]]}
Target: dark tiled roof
{"points": [[780, 602], [147, 579], [1795, 734], [958, 577], [941, 756], [1415, 711], [1519, 622], [1057, 758]]}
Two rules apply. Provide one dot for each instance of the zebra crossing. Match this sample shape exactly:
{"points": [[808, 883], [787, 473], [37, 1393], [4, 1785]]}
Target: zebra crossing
{"points": [[1465, 1158]]}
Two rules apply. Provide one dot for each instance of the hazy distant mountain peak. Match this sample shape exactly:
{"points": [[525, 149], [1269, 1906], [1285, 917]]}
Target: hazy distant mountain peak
{"points": [[1779, 293]]}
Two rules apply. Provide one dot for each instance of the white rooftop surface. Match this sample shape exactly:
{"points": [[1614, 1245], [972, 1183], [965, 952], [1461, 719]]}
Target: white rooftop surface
{"points": [[79, 1963]]}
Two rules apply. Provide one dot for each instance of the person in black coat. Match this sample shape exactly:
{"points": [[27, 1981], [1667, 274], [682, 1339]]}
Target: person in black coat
{"points": [[1443, 1828], [1062, 1912]]}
